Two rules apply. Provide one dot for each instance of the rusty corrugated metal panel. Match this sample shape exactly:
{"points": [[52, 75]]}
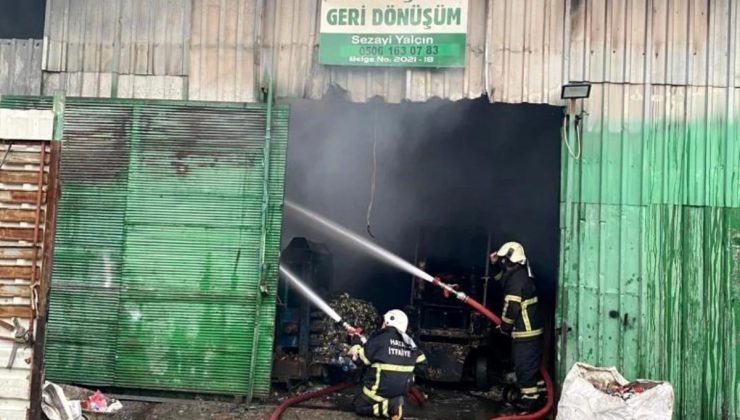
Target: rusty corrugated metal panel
{"points": [[132, 49], [518, 50], [526, 50], [661, 136], [20, 66], [22, 203], [224, 65], [102, 85], [657, 144], [650, 289], [661, 42], [145, 37], [649, 223], [223, 61], [649, 212], [734, 50], [158, 239]]}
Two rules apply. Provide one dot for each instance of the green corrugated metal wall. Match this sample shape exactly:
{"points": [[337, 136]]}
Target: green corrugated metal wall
{"points": [[650, 243], [156, 270]]}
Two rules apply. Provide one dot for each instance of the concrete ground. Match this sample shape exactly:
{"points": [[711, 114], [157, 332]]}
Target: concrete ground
{"points": [[447, 404], [215, 411]]}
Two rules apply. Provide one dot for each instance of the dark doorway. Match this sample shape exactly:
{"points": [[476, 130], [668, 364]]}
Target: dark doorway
{"points": [[469, 165], [22, 19]]}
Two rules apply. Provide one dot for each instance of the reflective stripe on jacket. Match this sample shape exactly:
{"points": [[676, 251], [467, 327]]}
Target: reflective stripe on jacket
{"points": [[520, 315], [391, 364]]}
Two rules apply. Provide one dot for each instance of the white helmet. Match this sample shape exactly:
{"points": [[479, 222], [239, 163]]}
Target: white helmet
{"points": [[397, 319], [514, 251]]}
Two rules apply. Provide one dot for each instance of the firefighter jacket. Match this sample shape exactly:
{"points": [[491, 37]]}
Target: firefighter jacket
{"points": [[520, 315], [391, 364]]}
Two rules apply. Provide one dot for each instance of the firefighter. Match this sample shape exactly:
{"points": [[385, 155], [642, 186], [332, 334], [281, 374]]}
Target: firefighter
{"points": [[522, 322], [391, 358]]}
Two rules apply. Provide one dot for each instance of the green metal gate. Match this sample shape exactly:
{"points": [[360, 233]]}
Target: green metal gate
{"points": [[167, 244]]}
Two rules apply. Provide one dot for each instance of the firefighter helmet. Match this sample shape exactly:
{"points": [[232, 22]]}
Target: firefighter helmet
{"points": [[397, 319], [514, 251]]}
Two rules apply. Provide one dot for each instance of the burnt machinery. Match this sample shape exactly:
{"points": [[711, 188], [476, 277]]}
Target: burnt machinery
{"points": [[313, 263], [457, 340]]}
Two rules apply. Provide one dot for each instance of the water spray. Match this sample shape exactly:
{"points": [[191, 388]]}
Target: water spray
{"points": [[352, 239], [388, 257], [309, 294], [357, 241]]}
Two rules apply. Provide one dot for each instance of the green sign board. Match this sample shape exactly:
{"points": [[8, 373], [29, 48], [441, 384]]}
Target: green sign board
{"points": [[393, 33]]}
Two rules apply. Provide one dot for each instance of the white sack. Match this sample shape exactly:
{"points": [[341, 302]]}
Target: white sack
{"points": [[56, 406], [583, 397]]}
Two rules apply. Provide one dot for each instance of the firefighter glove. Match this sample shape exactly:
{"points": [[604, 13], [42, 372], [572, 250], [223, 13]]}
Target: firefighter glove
{"points": [[354, 351]]}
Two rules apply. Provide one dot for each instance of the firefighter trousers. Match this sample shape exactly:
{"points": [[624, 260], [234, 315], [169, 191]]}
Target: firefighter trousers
{"points": [[377, 406], [527, 355]]}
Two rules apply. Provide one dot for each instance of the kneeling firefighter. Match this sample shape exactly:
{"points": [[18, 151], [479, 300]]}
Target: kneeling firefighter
{"points": [[521, 320], [392, 358]]}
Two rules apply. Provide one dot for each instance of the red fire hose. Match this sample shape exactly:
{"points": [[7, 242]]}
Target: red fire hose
{"points": [[415, 394], [308, 396], [542, 412]]}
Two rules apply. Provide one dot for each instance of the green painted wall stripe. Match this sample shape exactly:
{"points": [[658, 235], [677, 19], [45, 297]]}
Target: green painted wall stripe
{"points": [[659, 303], [695, 164], [650, 222]]}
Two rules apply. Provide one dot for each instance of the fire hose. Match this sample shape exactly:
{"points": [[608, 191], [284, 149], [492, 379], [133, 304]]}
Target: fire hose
{"points": [[461, 296], [389, 258], [414, 394], [308, 396]]}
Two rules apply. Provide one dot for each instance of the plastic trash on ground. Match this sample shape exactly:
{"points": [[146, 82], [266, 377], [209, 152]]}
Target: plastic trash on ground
{"points": [[600, 393], [98, 403]]}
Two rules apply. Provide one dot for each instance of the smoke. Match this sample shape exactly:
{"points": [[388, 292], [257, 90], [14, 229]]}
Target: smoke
{"points": [[468, 164]]}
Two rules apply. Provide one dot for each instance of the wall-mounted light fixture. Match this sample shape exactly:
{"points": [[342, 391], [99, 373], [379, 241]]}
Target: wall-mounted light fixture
{"points": [[572, 91], [576, 91]]}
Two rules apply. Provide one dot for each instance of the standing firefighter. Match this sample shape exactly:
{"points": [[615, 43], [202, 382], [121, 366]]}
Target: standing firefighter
{"points": [[521, 320], [391, 357]]}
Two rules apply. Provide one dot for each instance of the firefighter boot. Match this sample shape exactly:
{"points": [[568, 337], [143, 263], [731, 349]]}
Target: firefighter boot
{"points": [[530, 402]]}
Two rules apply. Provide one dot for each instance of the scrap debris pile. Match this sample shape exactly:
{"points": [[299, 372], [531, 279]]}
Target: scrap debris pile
{"points": [[329, 341], [618, 386], [629, 390], [456, 352]]}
